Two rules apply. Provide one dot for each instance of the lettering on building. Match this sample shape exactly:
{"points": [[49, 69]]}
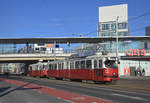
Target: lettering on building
{"points": [[135, 52]]}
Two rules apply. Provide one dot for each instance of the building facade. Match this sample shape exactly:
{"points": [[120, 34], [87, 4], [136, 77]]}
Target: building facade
{"points": [[113, 20], [48, 48], [111, 17], [146, 45]]}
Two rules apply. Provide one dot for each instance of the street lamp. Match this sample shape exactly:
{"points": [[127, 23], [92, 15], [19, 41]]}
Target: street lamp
{"points": [[117, 39]]}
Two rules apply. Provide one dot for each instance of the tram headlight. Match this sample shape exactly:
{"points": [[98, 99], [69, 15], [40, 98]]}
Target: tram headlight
{"points": [[114, 73], [107, 71]]}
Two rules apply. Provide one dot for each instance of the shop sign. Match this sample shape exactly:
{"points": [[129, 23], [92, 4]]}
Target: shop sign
{"points": [[136, 52], [126, 71]]}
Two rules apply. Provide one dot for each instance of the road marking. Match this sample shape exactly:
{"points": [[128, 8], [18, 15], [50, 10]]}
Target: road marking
{"points": [[73, 97], [79, 98], [102, 88], [126, 96]]}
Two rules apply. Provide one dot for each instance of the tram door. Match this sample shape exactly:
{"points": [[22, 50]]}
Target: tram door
{"points": [[97, 70], [132, 71]]}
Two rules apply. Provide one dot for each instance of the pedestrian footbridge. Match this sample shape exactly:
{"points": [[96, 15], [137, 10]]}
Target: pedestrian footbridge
{"points": [[33, 57]]}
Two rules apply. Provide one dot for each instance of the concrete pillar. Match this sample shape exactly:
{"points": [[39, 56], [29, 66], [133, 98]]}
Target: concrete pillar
{"points": [[27, 46]]}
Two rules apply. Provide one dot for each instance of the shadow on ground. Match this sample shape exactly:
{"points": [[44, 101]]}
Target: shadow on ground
{"points": [[6, 90]]}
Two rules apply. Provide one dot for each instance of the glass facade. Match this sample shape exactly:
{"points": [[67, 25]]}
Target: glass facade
{"points": [[108, 29], [7, 48], [122, 25]]}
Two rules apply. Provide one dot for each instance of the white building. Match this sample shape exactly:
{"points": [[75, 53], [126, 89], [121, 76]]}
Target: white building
{"points": [[113, 20], [146, 44], [47, 48], [107, 27], [108, 16]]}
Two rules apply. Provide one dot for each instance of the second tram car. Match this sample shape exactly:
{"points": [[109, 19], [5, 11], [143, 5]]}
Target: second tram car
{"points": [[38, 69]]}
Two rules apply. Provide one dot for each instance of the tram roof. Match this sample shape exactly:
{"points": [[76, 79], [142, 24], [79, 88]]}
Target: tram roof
{"points": [[71, 39]]}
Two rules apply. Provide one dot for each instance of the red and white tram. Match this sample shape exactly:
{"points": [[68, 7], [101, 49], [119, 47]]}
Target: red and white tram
{"points": [[38, 69], [95, 69]]}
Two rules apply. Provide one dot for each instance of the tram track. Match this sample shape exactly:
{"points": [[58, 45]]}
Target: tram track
{"points": [[118, 86], [108, 92]]}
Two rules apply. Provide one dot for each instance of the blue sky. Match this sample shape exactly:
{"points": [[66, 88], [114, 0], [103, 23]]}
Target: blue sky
{"points": [[62, 18]]}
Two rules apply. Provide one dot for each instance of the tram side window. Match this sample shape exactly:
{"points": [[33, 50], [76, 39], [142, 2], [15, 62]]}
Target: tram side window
{"points": [[89, 64], [45, 67], [36, 67], [77, 65], [95, 63], [59, 66], [62, 66], [49, 66], [100, 64], [40, 67], [72, 65], [30, 67], [52, 66], [82, 64], [67, 65], [55, 68]]}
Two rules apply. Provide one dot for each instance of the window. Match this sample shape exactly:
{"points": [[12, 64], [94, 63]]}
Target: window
{"points": [[41, 67], [105, 26], [82, 64], [37, 49], [30, 67], [89, 64], [62, 66], [67, 65], [105, 34], [55, 68], [43, 49], [111, 64], [122, 33], [45, 66], [95, 63], [112, 33], [41, 44], [59, 66], [113, 26], [72, 65], [77, 65], [100, 63], [122, 25], [50, 67], [36, 67]]}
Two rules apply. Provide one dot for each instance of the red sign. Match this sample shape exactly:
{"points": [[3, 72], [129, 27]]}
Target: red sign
{"points": [[126, 71], [135, 52]]}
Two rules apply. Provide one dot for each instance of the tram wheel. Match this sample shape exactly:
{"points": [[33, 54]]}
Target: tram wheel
{"points": [[110, 82], [59, 78], [107, 82], [76, 80]]}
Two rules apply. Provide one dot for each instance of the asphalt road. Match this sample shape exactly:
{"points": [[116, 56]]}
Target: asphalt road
{"points": [[10, 93], [121, 95]]}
